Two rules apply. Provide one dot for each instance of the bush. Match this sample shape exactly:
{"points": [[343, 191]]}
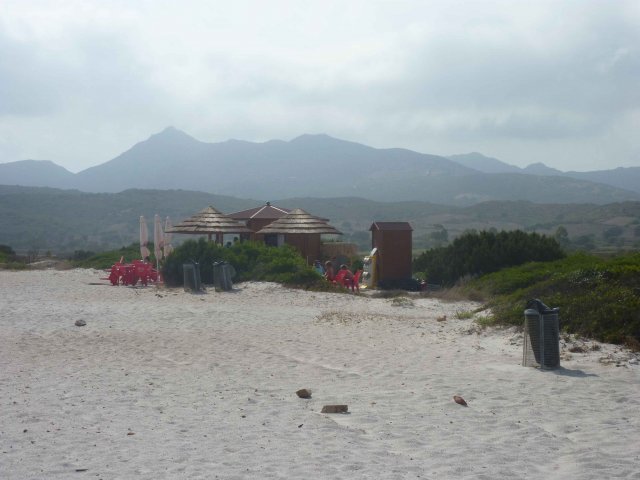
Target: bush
{"points": [[251, 260], [6, 253], [477, 253], [598, 298], [106, 259]]}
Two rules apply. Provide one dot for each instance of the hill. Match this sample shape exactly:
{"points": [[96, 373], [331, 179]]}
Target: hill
{"points": [[36, 173], [68, 220]]}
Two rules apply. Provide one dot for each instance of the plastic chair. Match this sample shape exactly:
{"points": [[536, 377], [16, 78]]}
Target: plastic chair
{"points": [[356, 280]]}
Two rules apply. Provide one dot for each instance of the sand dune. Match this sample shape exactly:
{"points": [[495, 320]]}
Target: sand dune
{"points": [[165, 384]]}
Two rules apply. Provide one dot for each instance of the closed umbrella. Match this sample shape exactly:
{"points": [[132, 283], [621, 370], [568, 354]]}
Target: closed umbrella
{"points": [[144, 238], [158, 241], [168, 248], [158, 238]]}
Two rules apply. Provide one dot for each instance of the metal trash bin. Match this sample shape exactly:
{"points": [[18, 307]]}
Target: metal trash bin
{"points": [[541, 346], [222, 275], [191, 272]]}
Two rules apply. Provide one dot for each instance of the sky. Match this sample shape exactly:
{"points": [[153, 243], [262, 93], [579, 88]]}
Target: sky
{"points": [[547, 81]]}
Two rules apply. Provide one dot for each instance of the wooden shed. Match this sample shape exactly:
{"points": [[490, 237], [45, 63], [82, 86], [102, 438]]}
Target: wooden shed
{"points": [[394, 243]]}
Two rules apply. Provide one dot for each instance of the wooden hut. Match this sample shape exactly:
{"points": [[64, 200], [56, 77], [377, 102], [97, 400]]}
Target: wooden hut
{"points": [[302, 231], [208, 222], [394, 243], [259, 217]]}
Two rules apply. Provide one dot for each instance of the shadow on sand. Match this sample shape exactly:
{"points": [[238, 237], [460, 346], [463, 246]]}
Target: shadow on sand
{"points": [[565, 372]]}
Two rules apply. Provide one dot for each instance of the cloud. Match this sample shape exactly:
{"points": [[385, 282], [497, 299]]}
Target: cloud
{"points": [[437, 76]]}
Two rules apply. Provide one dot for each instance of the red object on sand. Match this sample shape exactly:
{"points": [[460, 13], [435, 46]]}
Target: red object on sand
{"points": [[459, 400]]}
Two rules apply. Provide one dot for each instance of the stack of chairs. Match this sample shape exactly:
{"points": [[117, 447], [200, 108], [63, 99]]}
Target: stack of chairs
{"points": [[348, 283], [132, 273]]}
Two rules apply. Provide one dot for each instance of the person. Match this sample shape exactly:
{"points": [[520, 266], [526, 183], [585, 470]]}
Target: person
{"points": [[318, 267], [328, 271]]}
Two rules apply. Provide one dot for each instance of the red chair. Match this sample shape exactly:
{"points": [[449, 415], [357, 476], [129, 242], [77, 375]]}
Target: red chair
{"points": [[338, 279], [119, 274], [348, 280], [143, 272], [356, 280]]}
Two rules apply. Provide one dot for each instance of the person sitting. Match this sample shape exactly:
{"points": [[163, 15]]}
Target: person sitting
{"points": [[329, 274], [318, 267]]}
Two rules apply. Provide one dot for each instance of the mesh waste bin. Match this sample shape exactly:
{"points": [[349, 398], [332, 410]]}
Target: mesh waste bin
{"points": [[191, 272], [222, 275], [541, 336]]}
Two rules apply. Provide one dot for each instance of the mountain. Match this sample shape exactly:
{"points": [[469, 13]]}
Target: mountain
{"points": [[322, 166], [625, 178], [484, 164], [540, 168], [621, 177], [316, 165], [36, 173]]}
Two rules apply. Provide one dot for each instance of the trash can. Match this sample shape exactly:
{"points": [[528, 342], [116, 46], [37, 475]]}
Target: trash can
{"points": [[541, 336], [191, 272], [223, 272], [217, 272]]}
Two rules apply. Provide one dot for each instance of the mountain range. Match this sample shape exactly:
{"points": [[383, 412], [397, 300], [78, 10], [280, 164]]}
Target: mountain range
{"points": [[325, 167]]}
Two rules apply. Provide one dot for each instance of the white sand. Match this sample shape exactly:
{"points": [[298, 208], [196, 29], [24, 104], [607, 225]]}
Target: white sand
{"points": [[206, 384]]}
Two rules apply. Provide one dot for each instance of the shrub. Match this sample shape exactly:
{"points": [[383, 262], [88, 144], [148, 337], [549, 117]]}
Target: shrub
{"points": [[598, 298], [251, 260], [106, 259], [479, 253]]}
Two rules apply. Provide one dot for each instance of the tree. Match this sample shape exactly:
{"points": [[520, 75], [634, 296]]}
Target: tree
{"points": [[562, 236]]}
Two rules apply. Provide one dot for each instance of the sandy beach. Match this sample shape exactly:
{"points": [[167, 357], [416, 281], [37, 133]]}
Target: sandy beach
{"points": [[161, 383]]}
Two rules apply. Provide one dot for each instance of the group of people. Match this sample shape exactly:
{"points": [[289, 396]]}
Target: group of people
{"points": [[346, 276]]}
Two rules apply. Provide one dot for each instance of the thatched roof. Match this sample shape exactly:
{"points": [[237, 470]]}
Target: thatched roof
{"points": [[266, 212], [209, 221], [299, 221]]}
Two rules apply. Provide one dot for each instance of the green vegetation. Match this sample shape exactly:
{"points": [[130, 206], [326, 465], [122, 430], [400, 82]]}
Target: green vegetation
{"points": [[251, 260], [474, 254], [6, 253], [598, 298], [82, 259], [64, 221]]}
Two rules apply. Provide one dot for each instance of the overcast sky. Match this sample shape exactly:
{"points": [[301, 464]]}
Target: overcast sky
{"points": [[524, 81]]}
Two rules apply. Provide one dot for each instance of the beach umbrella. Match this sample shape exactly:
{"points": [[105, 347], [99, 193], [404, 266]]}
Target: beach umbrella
{"points": [[144, 238], [158, 237], [168, 248], [158, 243]]}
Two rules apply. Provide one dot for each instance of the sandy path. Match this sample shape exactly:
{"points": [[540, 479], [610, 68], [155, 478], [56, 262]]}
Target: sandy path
{"points": [[205, 384]]}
